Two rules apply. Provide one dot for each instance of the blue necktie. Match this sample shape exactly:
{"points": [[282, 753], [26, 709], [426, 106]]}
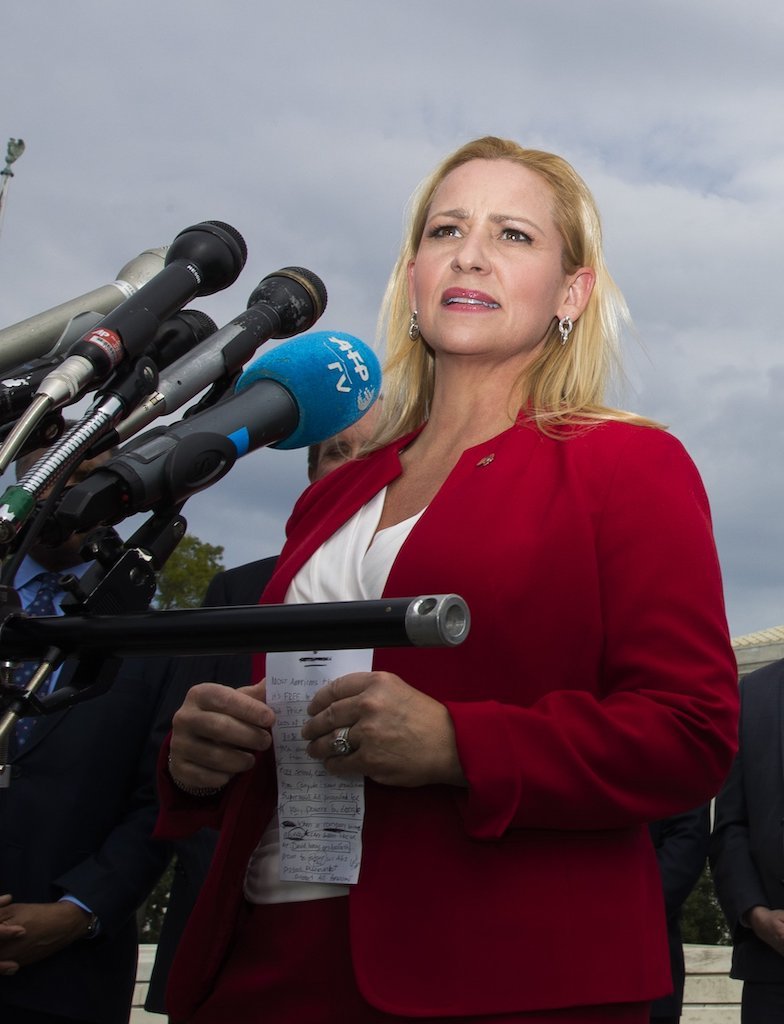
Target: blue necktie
{"points": [[41, 604]]}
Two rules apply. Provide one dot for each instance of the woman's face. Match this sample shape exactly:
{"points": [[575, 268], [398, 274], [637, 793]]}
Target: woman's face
{"points": [[487, 279]]}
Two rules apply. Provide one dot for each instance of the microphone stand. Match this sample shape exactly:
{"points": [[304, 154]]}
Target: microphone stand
{"points": [[122, 578], [429, 621]]}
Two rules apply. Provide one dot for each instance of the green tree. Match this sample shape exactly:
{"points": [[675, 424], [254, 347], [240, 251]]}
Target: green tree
{"points": [[184, 578], [181, 584], [702, 921], [152, 911]]}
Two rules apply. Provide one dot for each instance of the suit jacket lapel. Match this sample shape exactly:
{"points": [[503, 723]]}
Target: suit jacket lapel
{"points": [[337, 497]]}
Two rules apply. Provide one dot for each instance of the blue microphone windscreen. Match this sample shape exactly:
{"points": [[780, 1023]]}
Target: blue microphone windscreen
{"points": [[333, 377]]}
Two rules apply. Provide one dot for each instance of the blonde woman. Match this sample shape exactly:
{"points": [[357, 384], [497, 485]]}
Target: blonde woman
{"points": [[507, 873]]}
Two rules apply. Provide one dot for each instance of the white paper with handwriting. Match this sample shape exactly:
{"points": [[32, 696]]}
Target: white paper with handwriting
{"points": [[320, 815]]}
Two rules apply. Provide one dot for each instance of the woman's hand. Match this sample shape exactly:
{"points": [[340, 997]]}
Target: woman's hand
{"points": [[398, 735], [216, 732]]}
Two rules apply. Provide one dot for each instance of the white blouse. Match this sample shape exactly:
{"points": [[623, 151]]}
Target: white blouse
{"points": [[352, 565]]}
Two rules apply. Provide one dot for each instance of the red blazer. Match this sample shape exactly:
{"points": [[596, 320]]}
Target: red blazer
{"points": [[596, 692]]}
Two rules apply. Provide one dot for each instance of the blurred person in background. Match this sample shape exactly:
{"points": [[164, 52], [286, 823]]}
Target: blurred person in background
{"points": [[77, 857]]}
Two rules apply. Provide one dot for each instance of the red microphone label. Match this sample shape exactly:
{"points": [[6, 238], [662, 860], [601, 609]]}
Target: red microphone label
{"points": [[108, 341]]}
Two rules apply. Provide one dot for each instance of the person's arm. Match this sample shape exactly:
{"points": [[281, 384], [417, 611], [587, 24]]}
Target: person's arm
{"points": [[30, 932], [682, 852], [736, 877], [215, 735], [660, 737], [193, 785], [102, 891], [8, 931], [767, 925], [115, 880]]}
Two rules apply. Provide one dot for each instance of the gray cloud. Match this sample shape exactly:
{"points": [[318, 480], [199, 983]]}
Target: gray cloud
{"points": [[308, 127]]}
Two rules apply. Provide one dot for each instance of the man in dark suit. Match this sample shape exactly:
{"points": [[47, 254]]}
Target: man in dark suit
{"points": [[76, 851], [681, 844], [747, 847]]}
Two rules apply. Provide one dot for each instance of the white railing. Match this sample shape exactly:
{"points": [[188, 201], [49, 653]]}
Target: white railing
{"points": [[710, 997]]}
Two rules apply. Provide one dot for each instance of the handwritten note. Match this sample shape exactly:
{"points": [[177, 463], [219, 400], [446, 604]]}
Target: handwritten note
{"points": [[320, 815]]}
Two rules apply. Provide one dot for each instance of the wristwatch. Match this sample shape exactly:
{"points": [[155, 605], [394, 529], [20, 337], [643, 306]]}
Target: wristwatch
{"points": [[92, 927]]}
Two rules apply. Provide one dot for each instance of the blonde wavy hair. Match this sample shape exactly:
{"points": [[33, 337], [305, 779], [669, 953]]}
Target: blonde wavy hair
{"points": [[565, 384]]}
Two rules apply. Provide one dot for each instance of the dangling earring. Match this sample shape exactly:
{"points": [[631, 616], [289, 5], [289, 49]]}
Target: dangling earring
{"points": [[565, 327], [413, 326]]}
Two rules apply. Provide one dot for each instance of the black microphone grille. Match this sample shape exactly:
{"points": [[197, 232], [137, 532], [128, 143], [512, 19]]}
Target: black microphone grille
{"points": [[234, 234], [216, 248], [297, 295], [203, 325], [313, 285], [178, 335]]}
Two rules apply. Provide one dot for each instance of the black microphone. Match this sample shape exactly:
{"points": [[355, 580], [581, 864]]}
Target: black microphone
{"points": [[125, 389], [17, 392], [283, 304], [175, 336], [298, 394], [201, 260], [180, 334], [35, 336]]}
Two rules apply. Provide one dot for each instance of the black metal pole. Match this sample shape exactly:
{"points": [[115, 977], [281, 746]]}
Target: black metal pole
{"points": [[428, 621]]}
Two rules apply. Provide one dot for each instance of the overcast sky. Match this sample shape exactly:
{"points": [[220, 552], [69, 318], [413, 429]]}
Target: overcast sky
{"points": [[307, 126]]}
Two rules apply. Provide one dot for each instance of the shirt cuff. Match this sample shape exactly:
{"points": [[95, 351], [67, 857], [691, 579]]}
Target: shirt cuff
{"points": [[95, 925]]}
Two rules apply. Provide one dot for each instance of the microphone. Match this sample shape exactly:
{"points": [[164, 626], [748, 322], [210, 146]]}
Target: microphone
{"points": [[36, 335], [300, 393], [178, 335], [283, 304], [175, 336], [121, 393], [334, 377], [201, 260]]}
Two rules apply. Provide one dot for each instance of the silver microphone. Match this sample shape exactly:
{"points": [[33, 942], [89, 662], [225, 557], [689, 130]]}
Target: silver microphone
{"points": [[37, 335]]}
